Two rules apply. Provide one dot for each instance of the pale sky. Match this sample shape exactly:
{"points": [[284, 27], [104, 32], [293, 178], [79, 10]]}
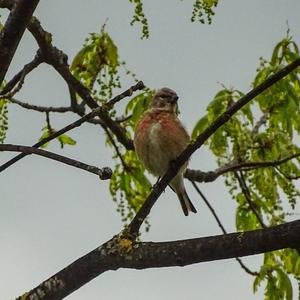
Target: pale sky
{"points": [[52, 214]]}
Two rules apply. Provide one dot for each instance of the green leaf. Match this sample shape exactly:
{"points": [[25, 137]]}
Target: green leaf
{"points": [[284, 284], [62, 139], [66, 140], [200, 126], [44, 135], [137, 106], [219, 104]]}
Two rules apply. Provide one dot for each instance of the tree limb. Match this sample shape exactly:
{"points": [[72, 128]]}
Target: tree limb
{"points": [[234, 165], [13, 30], [19, 78], [69, 127], [104, 173], [56, 58], [112, 256], [42, 109]]}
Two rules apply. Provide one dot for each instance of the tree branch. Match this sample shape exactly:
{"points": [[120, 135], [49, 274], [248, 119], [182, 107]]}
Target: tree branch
{"points": [[41, 109], [234, 165], [19, 78], [136, 223], [58, 60], [104, 173], [13, 30], [112, 256], [69, 127]]}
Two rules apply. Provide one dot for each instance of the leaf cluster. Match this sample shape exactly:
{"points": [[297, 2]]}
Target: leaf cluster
{"points": [[96, 65], [139, 17], [203, 10]]}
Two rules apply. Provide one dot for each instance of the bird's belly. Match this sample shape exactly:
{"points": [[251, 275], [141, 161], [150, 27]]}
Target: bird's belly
{"points": [[158, 159]]}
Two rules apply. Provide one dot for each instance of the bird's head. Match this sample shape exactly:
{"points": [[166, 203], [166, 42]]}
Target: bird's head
{"points": [[165, 99]]}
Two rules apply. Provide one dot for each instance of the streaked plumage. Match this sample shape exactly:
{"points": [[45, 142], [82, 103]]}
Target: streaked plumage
{"points": [[160, 138]]}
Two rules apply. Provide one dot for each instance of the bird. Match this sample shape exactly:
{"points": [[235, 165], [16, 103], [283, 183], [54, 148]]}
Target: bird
{"points": [[160, 138]]}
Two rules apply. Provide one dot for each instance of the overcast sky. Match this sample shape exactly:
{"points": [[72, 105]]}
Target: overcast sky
{"points": [[52, 214]]}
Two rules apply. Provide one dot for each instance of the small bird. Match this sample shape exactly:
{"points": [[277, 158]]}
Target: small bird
{"points": [[160, 138]]}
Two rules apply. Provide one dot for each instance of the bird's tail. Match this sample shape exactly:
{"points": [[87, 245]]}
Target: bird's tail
{"points": [[186, 203]]}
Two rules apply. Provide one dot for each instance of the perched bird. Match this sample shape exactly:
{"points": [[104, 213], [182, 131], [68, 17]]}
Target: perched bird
{"points": [[160, 138]]}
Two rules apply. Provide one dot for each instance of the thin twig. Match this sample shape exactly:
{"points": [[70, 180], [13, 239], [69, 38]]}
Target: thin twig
{"points": [[138, 86], [76, 107], [123, 119], [242, 182], [9, 91], [289, 177], [243, 266], [50, 130], [126, 168], [104, 173], [209, 206], [41, 109]]}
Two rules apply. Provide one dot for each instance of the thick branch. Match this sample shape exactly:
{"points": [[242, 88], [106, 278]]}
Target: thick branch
{"points": [[185, 155], [13, 30], [104, 173], [111, 256]]}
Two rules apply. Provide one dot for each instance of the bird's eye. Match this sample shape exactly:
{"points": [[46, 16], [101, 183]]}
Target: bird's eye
{"points": [[163, 96]]}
